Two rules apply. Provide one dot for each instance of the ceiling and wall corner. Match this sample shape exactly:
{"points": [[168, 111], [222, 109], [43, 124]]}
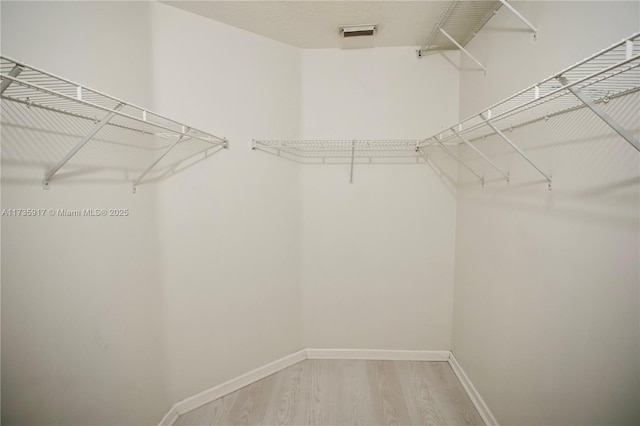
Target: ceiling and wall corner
{"points": [[315, 24]]}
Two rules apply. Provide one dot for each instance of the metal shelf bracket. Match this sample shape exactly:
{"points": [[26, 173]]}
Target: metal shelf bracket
{"points": [[518, 150], [47, 177], [601, 113], [148, 169], [480, 153], [15, 71], [461, 162], [465, 51], [522, 18]]}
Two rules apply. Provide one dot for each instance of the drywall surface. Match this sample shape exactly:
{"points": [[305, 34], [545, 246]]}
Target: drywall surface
{"points": [[229, 224], [82, 319], [546, 286], [378, 253]]}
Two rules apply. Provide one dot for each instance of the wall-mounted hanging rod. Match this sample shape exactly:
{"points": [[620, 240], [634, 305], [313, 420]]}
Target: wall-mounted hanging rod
{"points": [[463, 50], [461, 162], [480, 153], [47, 177], [522, 18], [518, 150], [600, 113]]}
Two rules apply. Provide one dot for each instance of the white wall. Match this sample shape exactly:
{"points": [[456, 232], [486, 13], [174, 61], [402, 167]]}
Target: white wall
{"points": [[229, 225], [378, 253], [82, 319], [546, 288], [116, 320]]}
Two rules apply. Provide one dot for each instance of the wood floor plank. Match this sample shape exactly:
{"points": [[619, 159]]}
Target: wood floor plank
{"points": [[422, 401], [251, 403], [389, 406], [326, 392], [357, 397], [209, 414], [285, 402], [456, 404], [345, 392]]}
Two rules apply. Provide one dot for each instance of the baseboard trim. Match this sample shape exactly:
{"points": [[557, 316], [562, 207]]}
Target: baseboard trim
{"points": [[378, 354], [229, 386], [259, 373], [481, 406]]}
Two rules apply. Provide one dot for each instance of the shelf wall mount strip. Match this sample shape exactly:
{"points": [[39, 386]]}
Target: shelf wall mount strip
{"points": [[600, 113], [79, 145], [15, 71], [518, 150]]}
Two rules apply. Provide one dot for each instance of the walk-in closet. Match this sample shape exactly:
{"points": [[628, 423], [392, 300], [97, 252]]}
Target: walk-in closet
{"points": [[320, 212]]}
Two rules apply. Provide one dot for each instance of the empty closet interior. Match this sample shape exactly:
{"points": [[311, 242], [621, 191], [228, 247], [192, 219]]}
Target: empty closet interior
{"points": [[198, 193]]}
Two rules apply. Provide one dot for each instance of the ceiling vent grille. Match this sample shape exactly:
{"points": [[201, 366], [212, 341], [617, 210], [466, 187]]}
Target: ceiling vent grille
{"points": [[358, 30]]}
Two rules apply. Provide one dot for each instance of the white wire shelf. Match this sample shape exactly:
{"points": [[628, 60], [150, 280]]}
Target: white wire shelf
{"points": [[461, 20], [326, 151], [34, 88], [610, 73]]}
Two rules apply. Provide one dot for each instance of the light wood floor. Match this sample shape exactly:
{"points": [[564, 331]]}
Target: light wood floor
{"points": [[346, 392]]}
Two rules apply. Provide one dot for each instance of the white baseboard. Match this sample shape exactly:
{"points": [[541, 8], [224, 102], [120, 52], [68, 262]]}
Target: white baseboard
{"points": [[229, 386], [239, 382], [378, 355], [481, 406]]}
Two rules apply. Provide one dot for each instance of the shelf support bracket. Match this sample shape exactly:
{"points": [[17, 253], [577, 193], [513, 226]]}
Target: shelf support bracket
{"points": [[461, 162], [481, 154], [522, 18], [518, 150], [353, 154], [465, 51], [15, 72], [597, 110], [79, 145], [148, 169]]}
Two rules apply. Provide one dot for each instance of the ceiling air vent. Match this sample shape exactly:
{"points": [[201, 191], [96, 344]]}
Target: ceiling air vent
{"points": [[358, 30]]}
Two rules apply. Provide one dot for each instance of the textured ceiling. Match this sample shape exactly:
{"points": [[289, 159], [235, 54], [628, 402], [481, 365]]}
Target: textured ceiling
{"points": [[315, 24]]}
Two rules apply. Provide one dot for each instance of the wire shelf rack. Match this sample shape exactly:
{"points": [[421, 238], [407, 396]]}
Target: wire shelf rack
{"points": [[340, 149], [34, 88], [610, 73], [461, 20], [362, 151]]}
